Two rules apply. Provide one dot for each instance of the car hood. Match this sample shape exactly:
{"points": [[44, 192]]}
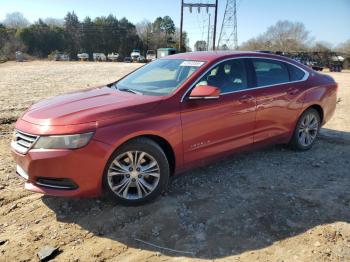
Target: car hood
{"points": [[88, 106]]}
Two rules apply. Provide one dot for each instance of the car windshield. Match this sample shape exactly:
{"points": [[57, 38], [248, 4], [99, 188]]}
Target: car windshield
{"points": [[160, 77]]}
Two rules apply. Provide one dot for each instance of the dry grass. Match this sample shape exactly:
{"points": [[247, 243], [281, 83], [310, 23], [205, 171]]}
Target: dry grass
{"points": [[23, 84]]}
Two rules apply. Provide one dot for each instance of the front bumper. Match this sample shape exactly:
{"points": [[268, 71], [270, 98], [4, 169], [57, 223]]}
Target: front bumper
{"points": [[84, 167]]}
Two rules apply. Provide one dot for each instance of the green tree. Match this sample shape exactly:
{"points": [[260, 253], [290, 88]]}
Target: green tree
{"points": [[168, 25], [42, 39], [163, 31], [72, 29], [89, 38], [129, 40]]}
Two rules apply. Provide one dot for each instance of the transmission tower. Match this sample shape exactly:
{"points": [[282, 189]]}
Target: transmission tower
{"points": [[228, 33]]}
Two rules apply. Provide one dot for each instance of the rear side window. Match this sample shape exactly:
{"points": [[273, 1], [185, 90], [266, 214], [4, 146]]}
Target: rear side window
{"points": [[295, 73], [270, 72]]}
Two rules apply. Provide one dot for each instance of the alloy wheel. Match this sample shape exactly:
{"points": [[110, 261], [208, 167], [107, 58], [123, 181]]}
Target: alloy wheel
{"points": [[133, 175], [308, 129]]}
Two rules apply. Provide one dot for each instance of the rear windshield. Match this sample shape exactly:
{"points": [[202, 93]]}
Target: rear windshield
{"points": [[160, 77]]}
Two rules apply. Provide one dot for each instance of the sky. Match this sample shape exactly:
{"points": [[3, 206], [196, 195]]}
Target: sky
{"points": [[327, 20]]}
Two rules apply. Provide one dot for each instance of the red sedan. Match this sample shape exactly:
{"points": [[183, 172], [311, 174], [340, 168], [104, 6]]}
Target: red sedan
{"points": [[129, 137]]}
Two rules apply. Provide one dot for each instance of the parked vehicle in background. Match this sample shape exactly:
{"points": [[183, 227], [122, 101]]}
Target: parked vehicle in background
{"points": [[135, 54], [83, 56], [141, 59], [127, 59], [175, 113], [99, 57], [336, 63], [150, 55], [19, 56], [60, 57], [162, 52], [113, 57], [316, 60]]}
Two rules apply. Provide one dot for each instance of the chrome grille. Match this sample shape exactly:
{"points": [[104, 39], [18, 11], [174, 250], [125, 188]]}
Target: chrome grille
{"points": [[22, 142]]}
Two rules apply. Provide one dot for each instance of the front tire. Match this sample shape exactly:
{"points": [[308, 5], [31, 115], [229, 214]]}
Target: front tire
{"points": [[306, 130], [137, 172]]}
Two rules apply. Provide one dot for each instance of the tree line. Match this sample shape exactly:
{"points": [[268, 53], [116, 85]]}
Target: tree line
{"points": [[287, 36], [108, 34], [292, 37], [103, 34]]}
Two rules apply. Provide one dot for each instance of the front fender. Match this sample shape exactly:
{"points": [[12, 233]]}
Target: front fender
{"points": [[166, 126]]}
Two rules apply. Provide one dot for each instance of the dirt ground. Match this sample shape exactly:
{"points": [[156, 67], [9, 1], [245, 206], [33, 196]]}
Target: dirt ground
{"points": [[269, 205]]}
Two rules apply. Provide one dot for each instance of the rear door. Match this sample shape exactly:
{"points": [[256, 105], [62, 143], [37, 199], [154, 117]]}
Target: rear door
{"points": [[278, 98]]}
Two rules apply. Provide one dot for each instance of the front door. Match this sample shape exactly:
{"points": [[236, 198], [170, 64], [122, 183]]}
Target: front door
{"points": [[211, 127]]}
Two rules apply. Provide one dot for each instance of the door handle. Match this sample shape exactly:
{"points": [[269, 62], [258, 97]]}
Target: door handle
{"points": [[245, 99], [292, 91]]}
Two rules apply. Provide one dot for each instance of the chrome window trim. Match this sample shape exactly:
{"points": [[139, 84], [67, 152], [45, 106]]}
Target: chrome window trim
{"points": [[202, 97], [306, 75]]}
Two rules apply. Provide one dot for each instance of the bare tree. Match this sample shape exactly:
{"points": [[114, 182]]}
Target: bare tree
{"points": [[344, 47], [321, 46], [54, 21], [15, 20], [257, 43], [145, 32], [288, 36], [284, 36], [200, 45], [185, 41]]}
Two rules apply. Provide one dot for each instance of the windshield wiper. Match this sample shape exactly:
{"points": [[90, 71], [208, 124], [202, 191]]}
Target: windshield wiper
{"points": [[130, 91]]}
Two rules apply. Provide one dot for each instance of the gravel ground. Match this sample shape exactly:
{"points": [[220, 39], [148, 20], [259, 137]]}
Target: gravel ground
{"points": [[273, 204]]}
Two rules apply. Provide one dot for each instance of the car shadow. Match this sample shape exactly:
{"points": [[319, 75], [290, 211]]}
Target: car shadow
{"points": [[245, 202]]}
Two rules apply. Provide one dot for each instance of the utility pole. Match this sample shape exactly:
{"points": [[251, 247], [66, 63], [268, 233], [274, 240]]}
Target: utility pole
{"points": [[208, 33], [181, 24], [199, 6], [215, 21]]}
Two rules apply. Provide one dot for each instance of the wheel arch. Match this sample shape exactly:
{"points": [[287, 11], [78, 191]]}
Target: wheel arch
{"points": [[162, 142], [318, 108]]}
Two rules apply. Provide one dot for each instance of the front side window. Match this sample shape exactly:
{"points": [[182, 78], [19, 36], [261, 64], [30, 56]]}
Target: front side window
{"points": [[229, 76], [160, 77], [270, 72]]}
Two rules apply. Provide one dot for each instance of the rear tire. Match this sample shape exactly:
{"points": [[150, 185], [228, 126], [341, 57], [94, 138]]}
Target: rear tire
{"points": [[306, 130], [136, 173]]}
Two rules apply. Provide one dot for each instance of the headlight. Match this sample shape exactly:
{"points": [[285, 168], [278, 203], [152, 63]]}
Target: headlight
{"points": [[64, 141]]}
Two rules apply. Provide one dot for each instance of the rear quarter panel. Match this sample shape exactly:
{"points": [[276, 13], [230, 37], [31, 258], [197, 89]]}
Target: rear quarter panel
{"points": [[322, 92]]}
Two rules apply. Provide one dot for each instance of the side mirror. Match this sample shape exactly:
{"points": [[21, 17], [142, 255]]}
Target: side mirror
{"points": [[204, 92]]}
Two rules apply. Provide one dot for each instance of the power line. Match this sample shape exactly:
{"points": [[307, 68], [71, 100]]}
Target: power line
{"points": [[199, 6]]}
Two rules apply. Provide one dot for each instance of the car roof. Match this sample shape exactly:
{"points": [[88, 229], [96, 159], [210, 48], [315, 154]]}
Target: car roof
{"points": [[210, 56]]}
